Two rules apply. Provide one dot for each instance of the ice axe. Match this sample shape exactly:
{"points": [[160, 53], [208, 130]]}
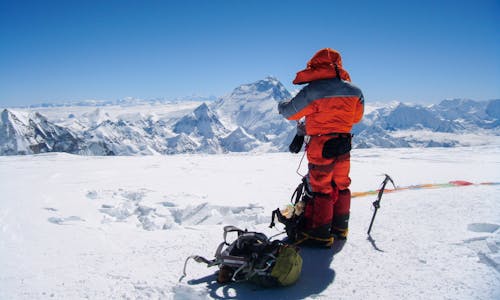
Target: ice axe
{"points": [[376, 203]]}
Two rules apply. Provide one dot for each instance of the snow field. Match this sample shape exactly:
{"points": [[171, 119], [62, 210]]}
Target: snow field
{"points": [[121, 227]]}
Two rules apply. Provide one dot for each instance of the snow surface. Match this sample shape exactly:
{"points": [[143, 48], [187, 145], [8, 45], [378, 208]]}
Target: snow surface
{"points": [[75, 227]]}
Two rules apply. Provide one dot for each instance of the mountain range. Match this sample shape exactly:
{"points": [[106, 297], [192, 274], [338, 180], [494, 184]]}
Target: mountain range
{"points": [[246, 120]]}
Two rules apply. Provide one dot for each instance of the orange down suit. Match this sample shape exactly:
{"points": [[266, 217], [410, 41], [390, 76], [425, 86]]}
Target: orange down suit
{"points": [[331, 105]]}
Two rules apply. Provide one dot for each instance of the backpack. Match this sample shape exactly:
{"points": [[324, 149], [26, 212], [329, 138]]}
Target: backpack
{"points": [[254, 257]]}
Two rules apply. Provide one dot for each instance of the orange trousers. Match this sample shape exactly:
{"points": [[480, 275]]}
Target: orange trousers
{"points": [[329, 181]]}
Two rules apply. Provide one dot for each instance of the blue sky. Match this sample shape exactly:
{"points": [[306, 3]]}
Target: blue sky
{"points": [[412, 51]]}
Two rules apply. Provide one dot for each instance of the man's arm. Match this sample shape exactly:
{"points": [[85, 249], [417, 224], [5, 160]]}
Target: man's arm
{"points": [[298, 107], [360, 108]]}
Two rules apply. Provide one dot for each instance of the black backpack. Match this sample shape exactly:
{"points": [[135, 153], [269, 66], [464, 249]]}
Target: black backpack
{"points": [[254, 257]]}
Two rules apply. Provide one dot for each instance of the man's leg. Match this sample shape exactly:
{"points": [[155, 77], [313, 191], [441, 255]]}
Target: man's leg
{"points": [[341, 207], [318, 214]]}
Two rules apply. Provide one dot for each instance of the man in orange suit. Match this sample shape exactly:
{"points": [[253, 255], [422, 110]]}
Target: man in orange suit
{"points": [[331, 105]]}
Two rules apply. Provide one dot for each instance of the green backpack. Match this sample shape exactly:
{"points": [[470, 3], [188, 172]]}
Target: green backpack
{"points": [[253, 257]]}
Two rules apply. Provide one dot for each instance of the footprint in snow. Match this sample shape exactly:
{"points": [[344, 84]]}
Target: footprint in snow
{"points": [[64, 221], [92, 195], [50, 208], [135, 196], [483, 227], [167, 204]]}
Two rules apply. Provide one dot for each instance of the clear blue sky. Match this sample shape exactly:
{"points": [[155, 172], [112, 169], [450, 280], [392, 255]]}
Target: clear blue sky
{"points": [[414, 51]]}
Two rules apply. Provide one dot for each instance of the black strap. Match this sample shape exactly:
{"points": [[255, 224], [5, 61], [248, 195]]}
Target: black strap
{"points": [[335, 134], [337, 71], [298, 193]]}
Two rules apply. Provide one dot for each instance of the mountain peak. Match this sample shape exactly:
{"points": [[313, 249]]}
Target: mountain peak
{"points": [[272, 79], [202, 110], [5, 112], [4, 116], [239, 141], [201, 121], [8, 115], [269, 87]]}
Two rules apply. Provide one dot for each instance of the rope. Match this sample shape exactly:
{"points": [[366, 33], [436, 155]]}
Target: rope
{"points": [[306, 142], [455, 183], [300, 164]]}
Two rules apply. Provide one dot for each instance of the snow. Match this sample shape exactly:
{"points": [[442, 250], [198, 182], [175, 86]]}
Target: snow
{"points": [[95, 227], [373, 106]]}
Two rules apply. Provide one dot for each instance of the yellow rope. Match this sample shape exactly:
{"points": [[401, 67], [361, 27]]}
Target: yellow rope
{"points": [[329, 240]]}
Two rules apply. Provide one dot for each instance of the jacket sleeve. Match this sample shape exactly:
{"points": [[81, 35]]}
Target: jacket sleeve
{"points": [[299, 106], [360, 108]]}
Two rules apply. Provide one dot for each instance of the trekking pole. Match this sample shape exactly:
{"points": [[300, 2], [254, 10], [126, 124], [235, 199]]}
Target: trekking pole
{"points": [[376, 203]]}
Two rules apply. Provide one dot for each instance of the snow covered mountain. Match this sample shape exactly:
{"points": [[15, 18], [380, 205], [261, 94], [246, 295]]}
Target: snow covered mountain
{"points": [[32, 133], [245, 120], [201, 122], [239, 141], [457, 122], [253, 108]]}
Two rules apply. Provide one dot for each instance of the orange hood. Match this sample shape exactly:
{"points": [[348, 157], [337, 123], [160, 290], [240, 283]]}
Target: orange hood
{"points": [[323, 65]]}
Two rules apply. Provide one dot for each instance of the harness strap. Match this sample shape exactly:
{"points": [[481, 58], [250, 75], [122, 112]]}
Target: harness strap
{"points": [[262, 271], [329, 240], [231, 228], [334, 135], [322, 168], [298, 193], [198, 259], [238, 271], [233, 261]]}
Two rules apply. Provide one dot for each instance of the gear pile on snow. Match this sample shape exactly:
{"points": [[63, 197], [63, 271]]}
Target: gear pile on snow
{"points": [[292, 216], [254, 257], [296, 215]]}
